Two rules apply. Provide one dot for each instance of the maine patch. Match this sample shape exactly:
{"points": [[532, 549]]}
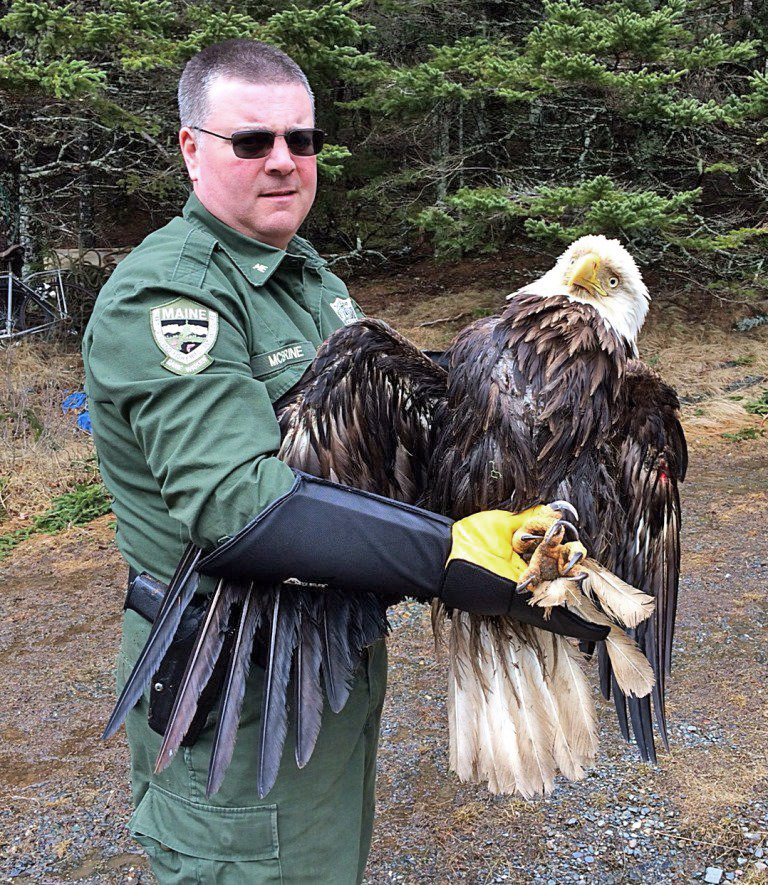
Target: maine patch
{"points": [[185, 331], [345, 310]]}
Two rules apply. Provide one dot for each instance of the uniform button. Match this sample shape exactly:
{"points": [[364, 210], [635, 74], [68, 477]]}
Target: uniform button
{"points": [[158, 686]]}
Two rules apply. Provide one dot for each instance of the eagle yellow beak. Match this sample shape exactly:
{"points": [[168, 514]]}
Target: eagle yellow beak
{"points": [[584, 274]]}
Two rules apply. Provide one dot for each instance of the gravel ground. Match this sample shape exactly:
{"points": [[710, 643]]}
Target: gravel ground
{"points": [[700, 815]]}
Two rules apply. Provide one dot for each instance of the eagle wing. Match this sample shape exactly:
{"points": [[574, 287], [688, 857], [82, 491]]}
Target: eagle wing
{"points": [[362, 415], [364, 412], [653, 459]]}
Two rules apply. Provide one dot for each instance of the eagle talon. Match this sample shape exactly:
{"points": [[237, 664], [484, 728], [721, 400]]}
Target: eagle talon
{"points": [[574, 560], [564, 507], [526, 536], [524, 584], [557, 528], [571, 532]]}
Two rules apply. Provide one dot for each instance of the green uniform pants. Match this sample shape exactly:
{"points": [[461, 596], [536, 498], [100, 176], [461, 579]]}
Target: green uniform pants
{"points": [[313, 827]]}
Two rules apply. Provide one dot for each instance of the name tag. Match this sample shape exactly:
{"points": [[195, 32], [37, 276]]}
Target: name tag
{"points": [[291, 354]]}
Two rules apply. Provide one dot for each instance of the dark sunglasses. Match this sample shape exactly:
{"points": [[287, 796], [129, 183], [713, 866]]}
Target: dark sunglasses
{"points": [[251, 144]]}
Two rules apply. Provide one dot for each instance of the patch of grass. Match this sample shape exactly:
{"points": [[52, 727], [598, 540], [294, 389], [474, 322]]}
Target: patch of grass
{"points": [[747, 359], [758, 406], [84, 503], [12, 539], [745, 433]]}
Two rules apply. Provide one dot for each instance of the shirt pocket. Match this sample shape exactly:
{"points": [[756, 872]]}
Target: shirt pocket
{"points": [[283, 366]]}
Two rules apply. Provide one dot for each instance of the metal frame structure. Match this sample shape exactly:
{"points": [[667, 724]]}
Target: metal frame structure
{"points": [[44, 290]]}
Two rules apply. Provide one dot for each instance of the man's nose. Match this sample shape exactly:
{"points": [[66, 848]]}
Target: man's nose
{"points": [[279, 160]]}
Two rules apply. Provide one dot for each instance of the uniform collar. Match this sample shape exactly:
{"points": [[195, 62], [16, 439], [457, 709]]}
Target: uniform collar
{"points": [[256, 260]]}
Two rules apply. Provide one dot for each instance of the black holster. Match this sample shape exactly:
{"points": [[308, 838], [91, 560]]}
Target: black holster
{"points": [[145, 596]]}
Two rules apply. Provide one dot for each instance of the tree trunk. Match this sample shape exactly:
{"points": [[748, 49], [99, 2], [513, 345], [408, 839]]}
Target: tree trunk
{"points": [[443, 147]]}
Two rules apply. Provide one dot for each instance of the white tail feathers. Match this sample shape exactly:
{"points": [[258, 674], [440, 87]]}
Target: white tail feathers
{"points": [[520, 710]]}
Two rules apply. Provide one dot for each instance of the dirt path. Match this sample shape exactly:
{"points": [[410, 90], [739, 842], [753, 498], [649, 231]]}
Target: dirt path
{"points": [[64, 796]]}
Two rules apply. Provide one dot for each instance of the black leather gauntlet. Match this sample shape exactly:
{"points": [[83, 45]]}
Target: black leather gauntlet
{"points": [[321, 532]]}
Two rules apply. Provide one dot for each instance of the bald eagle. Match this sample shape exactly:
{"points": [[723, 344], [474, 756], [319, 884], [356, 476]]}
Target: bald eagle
{"points": [[546, 400]]}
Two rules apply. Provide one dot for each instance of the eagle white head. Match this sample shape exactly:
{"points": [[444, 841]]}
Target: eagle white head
{"points": [[598, 271]]}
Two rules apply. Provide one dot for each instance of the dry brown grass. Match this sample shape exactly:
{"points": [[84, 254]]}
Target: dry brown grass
{"points": [[706, 360], [454, 310], [42, 453]]}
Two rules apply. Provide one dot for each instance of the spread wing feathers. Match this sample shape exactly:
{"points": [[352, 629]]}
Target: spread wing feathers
{"points": [[531, 393], [274, 713], [653, 460], [338, 663], [363, 412], [361, 415], [177, 597], [519, 706], [233, 692], [202, 660]]}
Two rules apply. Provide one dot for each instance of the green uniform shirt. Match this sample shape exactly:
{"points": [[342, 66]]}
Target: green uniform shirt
{"points": [[193, 338]]}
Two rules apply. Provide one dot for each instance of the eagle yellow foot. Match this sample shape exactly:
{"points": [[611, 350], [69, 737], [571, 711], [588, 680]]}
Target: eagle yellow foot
{"points": [[549, 555]]}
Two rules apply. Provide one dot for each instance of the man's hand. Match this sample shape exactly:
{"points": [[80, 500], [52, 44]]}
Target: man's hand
{"points": [[504, 543]]}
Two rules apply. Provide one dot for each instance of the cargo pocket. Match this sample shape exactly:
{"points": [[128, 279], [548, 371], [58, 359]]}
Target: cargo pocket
{"points": [[243, 839]]}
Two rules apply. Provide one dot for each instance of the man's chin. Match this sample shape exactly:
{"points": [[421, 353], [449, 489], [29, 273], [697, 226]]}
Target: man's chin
{"points": [[274, 234]]}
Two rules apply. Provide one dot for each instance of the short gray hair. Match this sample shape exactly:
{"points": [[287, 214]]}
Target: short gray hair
{"points": [[241, 59]]}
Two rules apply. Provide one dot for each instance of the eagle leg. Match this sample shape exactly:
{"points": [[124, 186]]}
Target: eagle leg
{"points": [[551, 559]]}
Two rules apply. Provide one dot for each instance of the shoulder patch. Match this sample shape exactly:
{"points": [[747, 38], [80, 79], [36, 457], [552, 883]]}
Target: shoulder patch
{"points": [[185, 331], [345, 310]]}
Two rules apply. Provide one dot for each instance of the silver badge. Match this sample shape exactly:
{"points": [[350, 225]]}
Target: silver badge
{"points": [[345, 310]]}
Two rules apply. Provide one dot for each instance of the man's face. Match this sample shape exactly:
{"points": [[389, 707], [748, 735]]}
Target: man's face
{"points": [[268, 198]]}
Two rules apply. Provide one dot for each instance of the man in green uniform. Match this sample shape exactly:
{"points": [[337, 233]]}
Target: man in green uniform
{"points": [[198, 332]]}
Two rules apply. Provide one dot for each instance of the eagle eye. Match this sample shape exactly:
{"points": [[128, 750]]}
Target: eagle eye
{"points": [[613, 282]]}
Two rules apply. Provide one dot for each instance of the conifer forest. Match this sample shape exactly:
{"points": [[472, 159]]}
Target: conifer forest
{"points": [[455, 128]]}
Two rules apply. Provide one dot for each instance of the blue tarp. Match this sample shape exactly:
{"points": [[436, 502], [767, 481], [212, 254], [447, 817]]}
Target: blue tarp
{"points": [[78, 402]]}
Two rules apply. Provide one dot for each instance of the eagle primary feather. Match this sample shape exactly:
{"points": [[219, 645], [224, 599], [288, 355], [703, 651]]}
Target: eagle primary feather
{"points": [[233, 692], [309, 691], [198, 671], [274, 713]]}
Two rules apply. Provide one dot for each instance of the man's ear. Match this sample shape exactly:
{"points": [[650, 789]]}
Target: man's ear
{"points": [[190, 152]]}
